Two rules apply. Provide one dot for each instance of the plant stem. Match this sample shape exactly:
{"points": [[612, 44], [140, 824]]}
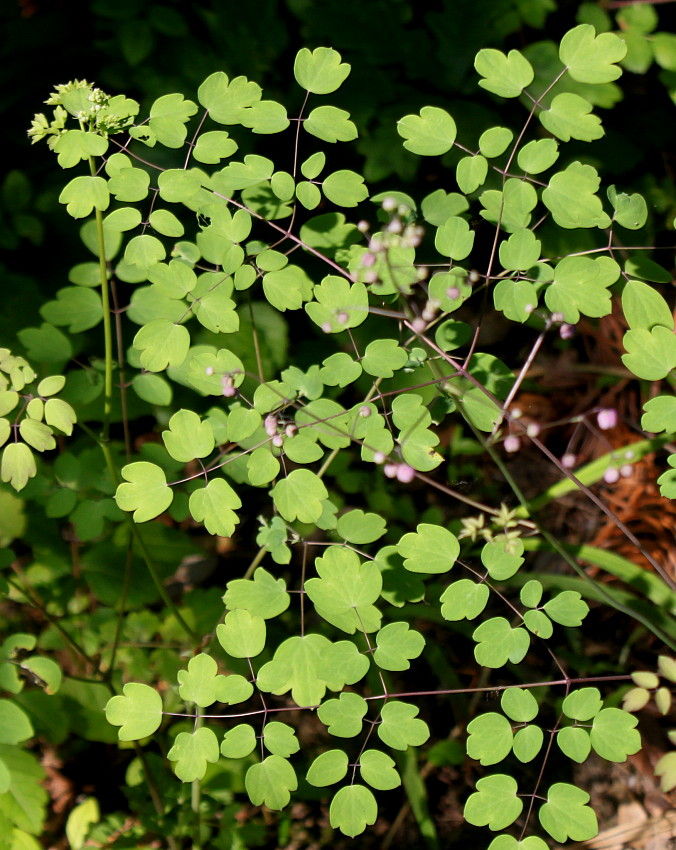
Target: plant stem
{"points": [[107, 327], [195, 796]]}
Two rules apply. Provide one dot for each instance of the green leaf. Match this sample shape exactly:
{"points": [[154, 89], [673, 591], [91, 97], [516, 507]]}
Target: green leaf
{"points": [[84, 194], [528, 743], [138, 711], [660, 414], [504, 75], [570, 196], [667, 481], [470, 173], [454, 238], [631, 211], [192, 751], [287, 288], [508, 842], [397, 643], [214, 146], [567, 608], [25, 801], [179, 185], [263, 596], [227, 99], [378, 769], [320, 71], [613, 734], [495, 141], [345, 591], [400, 727], [188, 437], [498, 643], [464, 599], [383, 357], [299, 496], [520, 251], [358, 527], [565, 816], [330, 124], [531, 593], [73, 146], [490, 738], [265, 117], [580, 285], [327, 768], [582, 704], [651, 354], [200, 682], [537, 156], [512, 207], [271, 782], [38, 435], [538, 623], [353, 809], [242, 635], [147, 493], [519, 704], [495, 803], [168, 117], [123, 219], [644, 307], [570, 117], [440, 205], [152, 388], [344, 715], [338, 304], [313, 165], [280, 739], [239, 742], [233, 689], [516, 299], [15, 726], [591, 58], [308, 195], [18, 465], [502, 557], [574, 742], [345, 188], [162, 343], [430, 549], [80, 820], [431, 133]]}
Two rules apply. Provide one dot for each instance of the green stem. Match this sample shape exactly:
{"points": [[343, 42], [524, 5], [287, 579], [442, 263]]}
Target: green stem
{"points": [[195, 796], [107, 326]]}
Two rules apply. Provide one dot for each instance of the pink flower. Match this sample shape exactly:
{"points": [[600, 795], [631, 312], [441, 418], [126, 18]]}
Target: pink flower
{"points": [[606, 418]]}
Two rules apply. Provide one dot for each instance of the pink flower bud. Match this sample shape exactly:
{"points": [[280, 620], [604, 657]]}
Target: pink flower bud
{"points": [[291, 430], [390, 470], [418, 325], [378, 457], [567, 331], [270, 425], [278, 441], [405, 473], [568, 461], [611, 475], [512, 444], [533, 429], [364, 411], [627, 470], [368, 259], [606, 418]]}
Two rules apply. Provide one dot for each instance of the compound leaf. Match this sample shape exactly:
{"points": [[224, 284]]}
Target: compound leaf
{"points": [[504, 75], [464, 599], [330, 124], [344, 715], [188, 437], [192, 751], [280, 739], [271, 782], [239, 742], [242, 635]]}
